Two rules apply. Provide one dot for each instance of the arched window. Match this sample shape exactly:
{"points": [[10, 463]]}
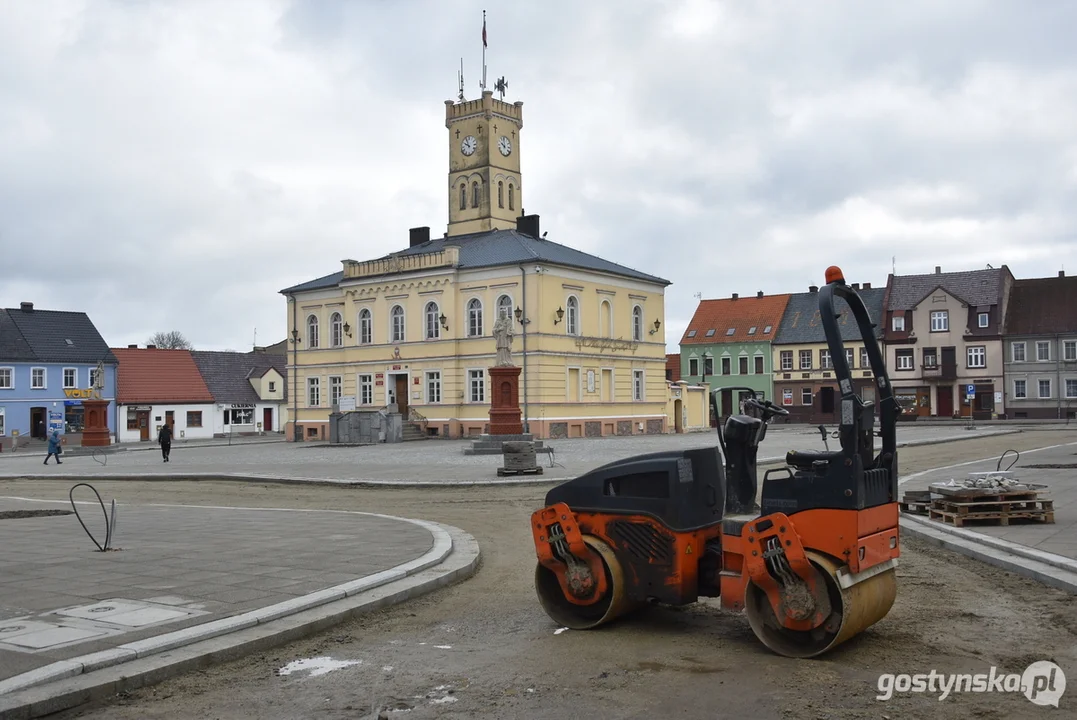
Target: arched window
{"points": [[572, 321], [607, 319], [474, 318], [463, 196], [637, 323], [336, 330], [366, 327], [312, 332], [504, 306], [433, 328], [511, 198], [396, 316], [475, 194], [500, 194]]}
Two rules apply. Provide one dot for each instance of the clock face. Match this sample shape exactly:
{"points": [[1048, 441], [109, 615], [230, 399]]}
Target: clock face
{"points": [[468, 145], [504, 145]]}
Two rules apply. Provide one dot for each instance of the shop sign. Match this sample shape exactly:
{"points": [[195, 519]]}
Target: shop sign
{"points": [[235, 406], [87, 394], [396, 367], [787, 397]]}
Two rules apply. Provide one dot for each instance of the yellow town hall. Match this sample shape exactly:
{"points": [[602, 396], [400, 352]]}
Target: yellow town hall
{"points": [[411, 332]]}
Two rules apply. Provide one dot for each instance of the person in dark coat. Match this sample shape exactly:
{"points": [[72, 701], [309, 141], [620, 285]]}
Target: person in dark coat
{"points": [[54, 447], [165, 439]]}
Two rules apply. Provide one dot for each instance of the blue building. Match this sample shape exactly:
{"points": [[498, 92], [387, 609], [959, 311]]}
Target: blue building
{"points": [[48, 365]]}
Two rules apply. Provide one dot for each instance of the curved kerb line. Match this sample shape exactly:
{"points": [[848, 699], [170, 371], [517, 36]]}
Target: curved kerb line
{"points": [[138, 649]]}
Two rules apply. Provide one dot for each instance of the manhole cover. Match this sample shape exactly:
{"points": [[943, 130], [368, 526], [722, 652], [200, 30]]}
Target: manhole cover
{"points": [[12, 628]]}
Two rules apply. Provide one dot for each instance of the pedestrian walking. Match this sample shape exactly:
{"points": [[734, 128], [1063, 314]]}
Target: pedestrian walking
{"points": [[165, 439], [54, 447]]}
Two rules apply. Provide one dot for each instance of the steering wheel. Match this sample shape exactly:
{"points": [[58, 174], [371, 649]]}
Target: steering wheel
{"points": [[767, 406]]}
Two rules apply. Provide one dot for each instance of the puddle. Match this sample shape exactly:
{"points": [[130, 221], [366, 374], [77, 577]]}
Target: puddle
{"points": [[316, 666]]}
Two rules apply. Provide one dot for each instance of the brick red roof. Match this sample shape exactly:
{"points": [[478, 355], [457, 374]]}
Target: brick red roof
{"points": [[1042, 305], [743, 315], [673, 366], [159, 376]]}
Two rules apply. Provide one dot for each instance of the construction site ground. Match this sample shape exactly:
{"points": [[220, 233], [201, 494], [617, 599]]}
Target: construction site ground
{"points": [[483, 648]]}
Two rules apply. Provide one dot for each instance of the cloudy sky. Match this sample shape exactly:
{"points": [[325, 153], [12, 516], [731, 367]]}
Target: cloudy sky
{"points": [[173, 165]]}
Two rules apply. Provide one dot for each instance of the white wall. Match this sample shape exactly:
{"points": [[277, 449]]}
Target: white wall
{"points": [[180, 429], [219, 428]]}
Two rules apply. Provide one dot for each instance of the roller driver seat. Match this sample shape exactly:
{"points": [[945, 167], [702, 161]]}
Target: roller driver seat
{"points": [[806, 459]]}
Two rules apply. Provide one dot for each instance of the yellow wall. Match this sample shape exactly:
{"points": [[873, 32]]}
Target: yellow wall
{"points": [[261, 385], [693, 403], [560, 398]]}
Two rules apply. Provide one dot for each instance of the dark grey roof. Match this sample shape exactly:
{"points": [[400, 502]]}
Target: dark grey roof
{"points": [[228, 374], [977, 288], [496, 248], [51, 336], [801, 322]]}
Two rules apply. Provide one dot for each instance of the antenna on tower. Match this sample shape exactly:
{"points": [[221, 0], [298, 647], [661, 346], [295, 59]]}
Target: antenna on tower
{"points": [[698, 296], [460, 81]]}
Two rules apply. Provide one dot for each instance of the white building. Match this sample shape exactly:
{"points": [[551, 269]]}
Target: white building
{"points": [[161, 387]]}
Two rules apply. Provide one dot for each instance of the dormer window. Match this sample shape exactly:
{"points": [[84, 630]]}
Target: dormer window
{"points": [[766, 330], [730, 331], [751, 330], [272, 386], [691, 333], [710, 333], [898, 323], [983, 319]]}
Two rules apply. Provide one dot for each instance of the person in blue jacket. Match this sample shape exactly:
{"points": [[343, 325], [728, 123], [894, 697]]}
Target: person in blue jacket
{"points": [[54, 447]]}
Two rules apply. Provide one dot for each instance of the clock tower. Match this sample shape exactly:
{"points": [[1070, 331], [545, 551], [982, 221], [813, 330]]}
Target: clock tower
{"points": [[484, 164]]}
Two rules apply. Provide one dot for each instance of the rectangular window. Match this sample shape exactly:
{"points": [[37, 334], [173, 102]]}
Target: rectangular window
{"points": [[805, 396], [758, 364], [977, 356], [366, 389], [272, 386], [743, 366], [824, 360], [805, 359], [1069, 351], [693, 367], [940, 320], [314, 392], [433, 386], [336, 389], [787, 359], [37, 378], [7, 378], [637, 385], [708, 366], [239, 416], [194, 418], [849, 356], [1020, 389], [1071, 388], [726, 366], [983, 319], [931, 357], [71, 378], [898, 323], [1017, 351], [864, 362], [1045, 388], [477, 385], [905, 360], [1043, 351]]}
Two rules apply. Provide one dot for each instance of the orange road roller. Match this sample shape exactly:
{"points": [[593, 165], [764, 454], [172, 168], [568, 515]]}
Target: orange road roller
{"points": [[811, 564]]}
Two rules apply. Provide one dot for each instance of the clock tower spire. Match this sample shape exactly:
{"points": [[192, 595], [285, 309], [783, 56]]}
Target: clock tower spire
{"points": [[484, 186]]}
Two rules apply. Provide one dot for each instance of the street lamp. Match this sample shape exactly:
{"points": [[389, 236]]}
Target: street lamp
{"points": [[657, 324], [444, 321], [520, 316], [560, 314], [295, 383]]}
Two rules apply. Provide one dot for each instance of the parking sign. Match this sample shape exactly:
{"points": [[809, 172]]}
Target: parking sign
{"points": [[970, 389]]}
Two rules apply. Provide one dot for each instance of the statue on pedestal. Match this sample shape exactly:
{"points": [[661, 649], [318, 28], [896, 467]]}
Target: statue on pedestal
{"points": [[99, 377], [503, 337]]}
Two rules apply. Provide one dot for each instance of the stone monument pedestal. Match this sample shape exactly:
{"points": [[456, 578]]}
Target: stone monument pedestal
{"points": [[95, 432], [505, 401]]}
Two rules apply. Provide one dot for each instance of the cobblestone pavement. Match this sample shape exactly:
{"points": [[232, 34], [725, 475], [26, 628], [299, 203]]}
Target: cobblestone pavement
{"points": [[432, 461], [1059, 537], [173, 567]]}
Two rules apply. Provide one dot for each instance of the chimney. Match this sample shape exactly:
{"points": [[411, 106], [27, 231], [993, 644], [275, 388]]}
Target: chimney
{"points": [[759, 294], [1062, 273], [736, 295], [856, 286], [867, 286], [419, 235], [27, 307], [938, 270], [813, 288], [528, 225], [133, 346], [151, 347]]}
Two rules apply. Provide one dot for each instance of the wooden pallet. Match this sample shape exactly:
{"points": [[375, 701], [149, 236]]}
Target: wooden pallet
{"points": [[502, 472], [996, 512], [916, 502]]}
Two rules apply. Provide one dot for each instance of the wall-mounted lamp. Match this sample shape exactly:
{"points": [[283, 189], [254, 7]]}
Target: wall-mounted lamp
{"points": [[347, 329], [295, 337], [520, 316], [657, 324], [444, 322], [560, 314]]}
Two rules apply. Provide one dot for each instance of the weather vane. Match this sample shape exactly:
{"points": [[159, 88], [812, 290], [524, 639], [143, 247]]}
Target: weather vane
{"points": [[501, 86]]}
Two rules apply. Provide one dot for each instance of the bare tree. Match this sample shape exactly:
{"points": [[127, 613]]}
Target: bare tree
{"points": [[171, 340]]}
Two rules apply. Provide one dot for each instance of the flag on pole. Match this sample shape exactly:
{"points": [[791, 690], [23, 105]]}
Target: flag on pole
{"points": [[484, 30]]}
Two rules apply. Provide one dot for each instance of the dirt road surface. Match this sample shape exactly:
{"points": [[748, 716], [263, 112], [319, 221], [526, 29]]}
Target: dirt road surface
{"points": [[484, 648]]}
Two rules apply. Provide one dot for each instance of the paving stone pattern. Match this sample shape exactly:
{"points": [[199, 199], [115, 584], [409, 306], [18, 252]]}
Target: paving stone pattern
{"points": [[426, 460], [191, 565]]}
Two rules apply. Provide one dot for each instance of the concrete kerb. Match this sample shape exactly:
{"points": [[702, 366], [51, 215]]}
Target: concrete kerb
{"points": [[454, 556]]}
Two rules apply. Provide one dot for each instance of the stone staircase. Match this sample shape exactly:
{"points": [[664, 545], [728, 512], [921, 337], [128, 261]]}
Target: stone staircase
{"points": [[414, 431]]}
